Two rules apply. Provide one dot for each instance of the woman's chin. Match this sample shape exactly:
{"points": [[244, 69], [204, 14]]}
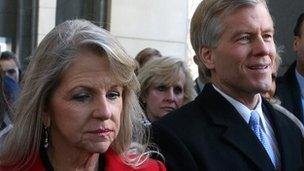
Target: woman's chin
{"points": [[98, 147]]}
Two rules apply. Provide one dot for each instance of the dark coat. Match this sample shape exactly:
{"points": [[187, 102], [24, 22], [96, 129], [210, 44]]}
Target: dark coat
{"points": [[288, 91], [209, 134]]}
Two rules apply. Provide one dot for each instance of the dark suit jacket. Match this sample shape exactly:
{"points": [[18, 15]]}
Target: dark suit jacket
{"points": [[209, 134], [288, 91]]}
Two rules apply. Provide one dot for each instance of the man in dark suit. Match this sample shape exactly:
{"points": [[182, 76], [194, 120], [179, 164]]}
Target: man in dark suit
{"points": [[290, 87], [229, 126]]}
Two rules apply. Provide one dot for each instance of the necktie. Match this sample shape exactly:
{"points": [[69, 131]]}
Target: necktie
{"points": [[254, 124]]}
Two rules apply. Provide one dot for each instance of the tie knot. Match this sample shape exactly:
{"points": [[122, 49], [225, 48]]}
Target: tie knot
{"points": [[254, 119]]}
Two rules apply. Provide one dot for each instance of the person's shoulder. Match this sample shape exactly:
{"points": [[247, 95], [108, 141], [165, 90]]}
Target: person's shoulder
{"points": [[286, 118], [152, 165], [288, 76], [184, 113], [290, 116], [35, 165], [286, 83], [175, 126], [115, 161]]}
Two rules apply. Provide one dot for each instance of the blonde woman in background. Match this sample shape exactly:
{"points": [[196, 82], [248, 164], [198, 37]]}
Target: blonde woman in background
{"points": [[166, 85], [78, 108]]}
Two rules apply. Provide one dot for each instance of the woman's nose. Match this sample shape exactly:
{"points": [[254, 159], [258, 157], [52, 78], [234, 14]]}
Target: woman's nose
{"points": [[102, 108], [170, 96]]}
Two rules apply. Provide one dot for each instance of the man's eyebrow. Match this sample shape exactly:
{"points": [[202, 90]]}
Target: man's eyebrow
{"points": [[248, 31]]}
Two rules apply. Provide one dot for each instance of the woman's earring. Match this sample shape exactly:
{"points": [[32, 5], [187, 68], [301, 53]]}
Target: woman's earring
{"points": [[46, 137], [143, 101]]}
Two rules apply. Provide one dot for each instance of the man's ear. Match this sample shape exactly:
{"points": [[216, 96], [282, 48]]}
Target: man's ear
{"points": [[296, 43], [206, 57]]}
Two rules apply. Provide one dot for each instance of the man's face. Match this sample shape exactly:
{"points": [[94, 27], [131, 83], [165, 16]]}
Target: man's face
{"points": [[298, 47], [241, 64], [10, 69]]}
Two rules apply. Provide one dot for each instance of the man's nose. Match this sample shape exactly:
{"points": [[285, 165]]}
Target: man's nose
{"points": [[261, 47]]}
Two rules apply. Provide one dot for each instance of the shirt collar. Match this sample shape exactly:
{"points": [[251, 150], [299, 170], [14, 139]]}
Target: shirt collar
{"points": [[300, 80], [243, 110]]}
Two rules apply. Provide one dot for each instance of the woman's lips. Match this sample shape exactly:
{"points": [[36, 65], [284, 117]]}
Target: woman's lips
{"points": [[168, 109], [101, 132]]}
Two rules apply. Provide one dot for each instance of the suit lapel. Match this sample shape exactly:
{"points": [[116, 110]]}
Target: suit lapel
{"points": [[283, 136], [249, 145], [237, 134]]}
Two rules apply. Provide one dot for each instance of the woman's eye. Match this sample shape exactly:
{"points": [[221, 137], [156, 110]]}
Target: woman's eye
{"points": [[82, 97], [113, 95], [178, 90], [161, 88]]}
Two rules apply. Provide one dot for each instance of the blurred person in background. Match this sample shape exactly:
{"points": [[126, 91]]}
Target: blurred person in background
{"points": [[9, 92], [5, 110], [275, 101], [166, 85], [290, 86], [10, 65], [145, 55]]}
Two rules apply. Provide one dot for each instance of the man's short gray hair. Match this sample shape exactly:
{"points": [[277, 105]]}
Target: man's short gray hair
{"points": [[207, 23]]}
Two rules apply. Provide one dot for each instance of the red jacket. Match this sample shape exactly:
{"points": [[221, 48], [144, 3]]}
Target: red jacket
{"points": [[113, 163]]}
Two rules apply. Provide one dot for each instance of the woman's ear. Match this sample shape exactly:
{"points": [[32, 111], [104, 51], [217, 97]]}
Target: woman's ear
{"points": [[143, 99], [206, 57], [46, 118]]}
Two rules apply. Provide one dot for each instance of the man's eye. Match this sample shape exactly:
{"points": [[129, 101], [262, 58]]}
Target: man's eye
{"points": [[82, 97], [161, 88], [11, 71], [267, 36], [113, 95], [244, 39]]}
